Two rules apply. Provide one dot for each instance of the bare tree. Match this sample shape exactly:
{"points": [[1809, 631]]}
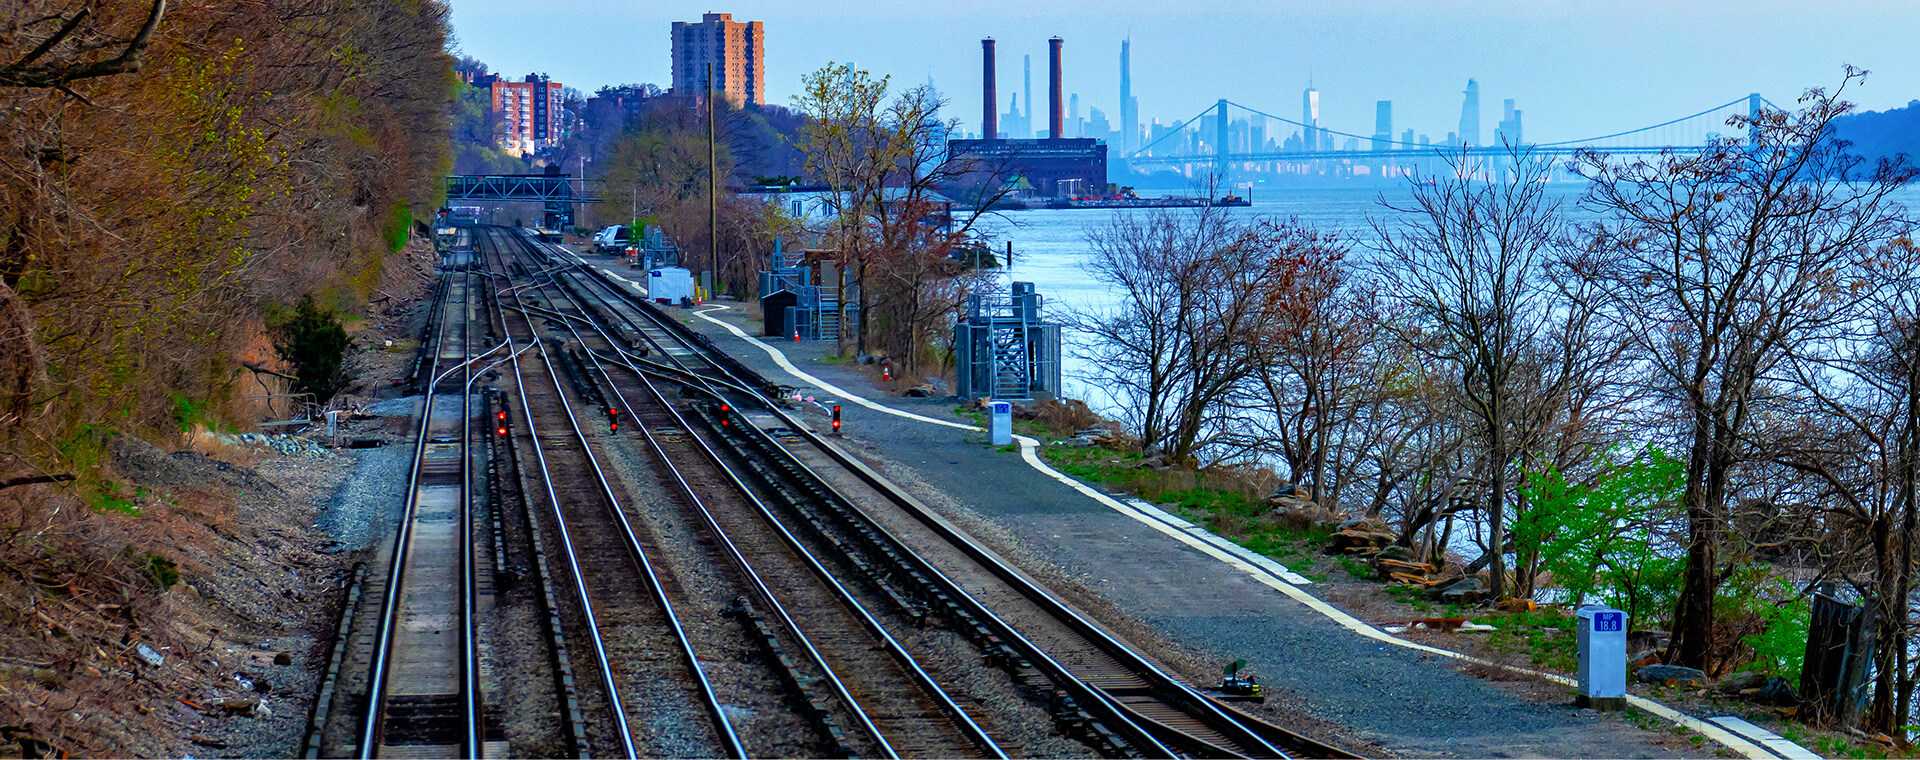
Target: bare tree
{"points": [[1720, 266], [1466, 258], [1192, 285], [1848, 423], [1318, 368], [76, 47], [884, 160]]}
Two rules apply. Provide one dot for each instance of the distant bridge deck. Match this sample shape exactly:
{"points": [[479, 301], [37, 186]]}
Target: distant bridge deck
{"points": [[536, 188], [1438, 151]]}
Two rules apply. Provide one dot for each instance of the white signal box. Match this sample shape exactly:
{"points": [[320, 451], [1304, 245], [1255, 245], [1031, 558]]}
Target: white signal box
{"points": [[1000, 422], [1603, 657]]}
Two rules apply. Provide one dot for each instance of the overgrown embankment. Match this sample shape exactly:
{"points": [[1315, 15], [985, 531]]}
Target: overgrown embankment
{"points": [[176, 180]]}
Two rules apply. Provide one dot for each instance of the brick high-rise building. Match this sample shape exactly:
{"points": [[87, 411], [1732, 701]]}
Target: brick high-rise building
{"points": [[735, 48], [530, 113]]}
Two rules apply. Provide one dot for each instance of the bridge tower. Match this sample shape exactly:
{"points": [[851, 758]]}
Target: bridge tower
{"points": [[1220, 142], [1753, 118]]}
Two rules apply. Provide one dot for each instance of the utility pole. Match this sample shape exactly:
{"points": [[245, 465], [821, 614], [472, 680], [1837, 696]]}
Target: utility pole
{"points": [[713, 203]]}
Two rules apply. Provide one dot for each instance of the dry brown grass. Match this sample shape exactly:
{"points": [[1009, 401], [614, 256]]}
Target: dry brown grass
{"points": [[81, 589]]}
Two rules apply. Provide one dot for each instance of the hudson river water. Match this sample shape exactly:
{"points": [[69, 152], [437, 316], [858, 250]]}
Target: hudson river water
{"points": [[1050, 246]]}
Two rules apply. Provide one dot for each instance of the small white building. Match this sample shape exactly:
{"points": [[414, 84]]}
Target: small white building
{"points": [[669, 285]]}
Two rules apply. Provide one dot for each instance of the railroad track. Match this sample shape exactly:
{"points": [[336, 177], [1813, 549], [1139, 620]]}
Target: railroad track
{"points": [[1134, 705], [641, 650], [423, 695], [893, 706]]}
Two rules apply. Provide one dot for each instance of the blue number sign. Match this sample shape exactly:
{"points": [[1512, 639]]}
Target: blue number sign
{"points": [[1608, 621]]}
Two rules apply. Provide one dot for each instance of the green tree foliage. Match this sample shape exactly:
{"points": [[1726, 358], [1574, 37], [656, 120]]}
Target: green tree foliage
{"points": [[314, 342], [1771, 617], [1607, 539], [474, 148]]}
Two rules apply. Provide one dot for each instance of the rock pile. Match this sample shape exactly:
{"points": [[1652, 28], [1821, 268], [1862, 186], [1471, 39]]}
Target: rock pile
{"points": [[1294, 508], [1671, 675], [286, 445]]}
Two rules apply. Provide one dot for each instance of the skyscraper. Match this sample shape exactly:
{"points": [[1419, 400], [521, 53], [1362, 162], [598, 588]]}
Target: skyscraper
{"points": [[1129, 109], [736, 51], [1026, 90], [1470, 114], [1310, 116], [1509, 131], [1073, 115], [1382, 124], [1013, 124], [529, 113]]}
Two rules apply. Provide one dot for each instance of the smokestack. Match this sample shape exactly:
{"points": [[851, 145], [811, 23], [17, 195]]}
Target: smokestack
{"points": [[1056, 109], [989, 100]]}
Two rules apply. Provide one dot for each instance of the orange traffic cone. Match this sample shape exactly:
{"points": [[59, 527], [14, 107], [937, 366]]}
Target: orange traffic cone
{"points": [[796, 335]]}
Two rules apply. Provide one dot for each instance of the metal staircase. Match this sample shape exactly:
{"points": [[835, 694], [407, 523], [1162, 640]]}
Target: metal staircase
{"points": [[1004, 350], [829, 319], [1011, 375]]}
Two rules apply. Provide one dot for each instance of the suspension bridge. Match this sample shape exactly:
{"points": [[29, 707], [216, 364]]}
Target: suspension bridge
{"points": [[1181, 147]]}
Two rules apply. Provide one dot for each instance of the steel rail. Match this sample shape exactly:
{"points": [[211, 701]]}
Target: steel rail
{"points": [[607, 680], [1115, 712], [375, 716], [1211, 712], [974, 731], [722, 725]]}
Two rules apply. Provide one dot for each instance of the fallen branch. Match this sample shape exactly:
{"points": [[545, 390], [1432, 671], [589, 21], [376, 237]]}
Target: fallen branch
{"points": [[28, 480]]}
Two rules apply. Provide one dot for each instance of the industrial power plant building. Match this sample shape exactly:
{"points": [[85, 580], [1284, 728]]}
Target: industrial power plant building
{"points": [[1053, 166]]}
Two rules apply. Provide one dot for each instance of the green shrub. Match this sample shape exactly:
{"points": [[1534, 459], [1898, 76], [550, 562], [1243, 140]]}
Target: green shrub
{"points": [[314, 342], [162, 571], [1756, 593], [188, 413], [1603, 540], [399, 225]]}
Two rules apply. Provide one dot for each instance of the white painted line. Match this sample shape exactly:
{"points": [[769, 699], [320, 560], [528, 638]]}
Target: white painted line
{"points": [[1259, 560], [1780, 745], [1029, 452], [780, 358]]}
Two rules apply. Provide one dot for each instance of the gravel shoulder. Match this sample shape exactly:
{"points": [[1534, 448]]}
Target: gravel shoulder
{"points": [[1206, 613]]}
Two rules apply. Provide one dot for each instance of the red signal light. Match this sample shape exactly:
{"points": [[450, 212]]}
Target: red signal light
{"points": [[500, 415], [836, 419], [500, 431], [613, 427], [724, 408]]}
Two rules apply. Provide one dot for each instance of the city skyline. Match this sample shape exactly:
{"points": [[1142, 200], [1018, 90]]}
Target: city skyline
{"points": [[1414, 54]]}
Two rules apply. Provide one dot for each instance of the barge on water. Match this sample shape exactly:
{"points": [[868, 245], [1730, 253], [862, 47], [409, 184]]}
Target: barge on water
{"points": [[1120, 202]]}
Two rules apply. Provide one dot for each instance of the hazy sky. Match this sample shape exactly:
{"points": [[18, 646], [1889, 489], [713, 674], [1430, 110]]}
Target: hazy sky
{"points": [[1576, 67]]}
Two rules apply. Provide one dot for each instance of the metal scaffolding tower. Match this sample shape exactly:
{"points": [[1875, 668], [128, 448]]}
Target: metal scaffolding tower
{"points": [[1004, 350]]}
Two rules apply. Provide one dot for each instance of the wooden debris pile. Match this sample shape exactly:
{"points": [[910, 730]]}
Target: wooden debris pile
{"points": [[1372, 540]]}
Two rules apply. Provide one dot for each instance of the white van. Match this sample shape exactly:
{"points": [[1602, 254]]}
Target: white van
{"points": [[613, 239]]}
